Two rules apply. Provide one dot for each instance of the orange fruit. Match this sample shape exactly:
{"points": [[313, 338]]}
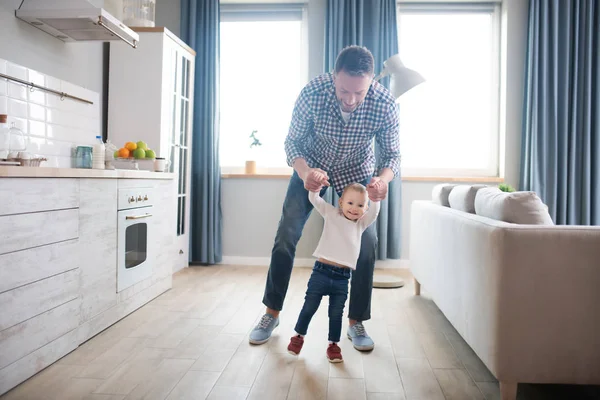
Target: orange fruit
{"points": [[124, 153], [131, 146]]}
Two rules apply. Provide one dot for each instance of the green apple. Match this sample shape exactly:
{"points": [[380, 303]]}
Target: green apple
{"points": [[142, 145], [116, 154], [150, 154], [139, 153]]}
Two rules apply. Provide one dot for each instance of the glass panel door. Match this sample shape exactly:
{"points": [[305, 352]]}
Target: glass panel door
{"points": [[182, 142]]}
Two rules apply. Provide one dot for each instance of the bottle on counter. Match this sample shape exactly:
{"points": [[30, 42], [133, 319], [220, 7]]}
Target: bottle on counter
{"points": [[98, 153]]}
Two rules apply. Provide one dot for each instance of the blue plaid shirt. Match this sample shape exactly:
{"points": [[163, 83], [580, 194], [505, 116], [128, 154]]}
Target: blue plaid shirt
{"points": [[345, 151]]}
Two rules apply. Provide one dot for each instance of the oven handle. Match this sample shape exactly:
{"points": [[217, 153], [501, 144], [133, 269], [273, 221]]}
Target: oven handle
{"points": [[139, 216]]}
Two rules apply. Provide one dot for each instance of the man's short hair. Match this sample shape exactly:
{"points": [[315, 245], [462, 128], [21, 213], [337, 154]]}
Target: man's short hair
{"points": [[355, 61]]}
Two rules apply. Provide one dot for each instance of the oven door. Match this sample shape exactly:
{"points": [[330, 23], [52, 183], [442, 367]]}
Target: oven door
{"points": [[134, 246]]}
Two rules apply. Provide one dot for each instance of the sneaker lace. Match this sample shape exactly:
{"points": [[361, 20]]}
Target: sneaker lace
{"points": [[265, 321], [359, 329]]}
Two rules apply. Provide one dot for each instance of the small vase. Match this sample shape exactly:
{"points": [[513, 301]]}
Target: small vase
{"points": [[250, 167]]}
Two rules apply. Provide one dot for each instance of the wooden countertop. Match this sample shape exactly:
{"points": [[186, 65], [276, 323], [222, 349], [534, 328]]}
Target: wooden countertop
{"points": [[42, 172]]}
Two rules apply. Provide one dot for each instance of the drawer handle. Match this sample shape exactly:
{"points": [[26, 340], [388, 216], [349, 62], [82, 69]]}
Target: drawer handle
{"points": [[139, 216]]}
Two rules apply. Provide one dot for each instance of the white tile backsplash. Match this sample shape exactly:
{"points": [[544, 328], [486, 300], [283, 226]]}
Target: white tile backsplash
{"points": [[37, 112], [17, 91], [53, 127], [37, 97], [17, 108], [37, 128]]}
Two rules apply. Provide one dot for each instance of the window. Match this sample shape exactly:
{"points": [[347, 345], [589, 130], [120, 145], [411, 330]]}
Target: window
{"points": [[449, 124], [263, 69]]}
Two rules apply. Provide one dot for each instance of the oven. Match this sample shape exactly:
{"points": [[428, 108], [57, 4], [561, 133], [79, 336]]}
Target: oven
{"points": [[135, 231]]}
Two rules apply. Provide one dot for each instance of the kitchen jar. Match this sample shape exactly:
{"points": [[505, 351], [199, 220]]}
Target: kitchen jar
{"points": [[83, 157]]}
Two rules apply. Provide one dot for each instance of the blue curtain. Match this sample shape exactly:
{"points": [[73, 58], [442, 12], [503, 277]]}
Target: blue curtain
{"points": [[200, 29], [369, 23], [561, 133]]}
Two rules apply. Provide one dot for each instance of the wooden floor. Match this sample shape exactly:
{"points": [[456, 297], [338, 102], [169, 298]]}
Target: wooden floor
{"points": [[192, 343]]}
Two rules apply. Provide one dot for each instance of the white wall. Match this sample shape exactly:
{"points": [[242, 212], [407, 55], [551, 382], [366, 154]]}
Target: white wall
{"points": [[251, 234]]}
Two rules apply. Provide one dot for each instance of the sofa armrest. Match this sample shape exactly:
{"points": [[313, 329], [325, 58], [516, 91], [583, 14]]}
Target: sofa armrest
{"points": [[547, 300]]}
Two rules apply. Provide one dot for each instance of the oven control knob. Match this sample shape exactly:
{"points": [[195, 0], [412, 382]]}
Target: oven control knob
{"points": [[139, 198], [132, 199], [146, 198]]}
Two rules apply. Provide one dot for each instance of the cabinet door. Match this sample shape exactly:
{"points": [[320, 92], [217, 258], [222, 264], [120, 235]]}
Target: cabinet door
{"points": [[182, 98]]}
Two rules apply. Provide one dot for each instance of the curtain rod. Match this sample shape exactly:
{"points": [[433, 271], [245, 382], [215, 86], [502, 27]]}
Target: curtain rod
{"points": [[32, 86]]}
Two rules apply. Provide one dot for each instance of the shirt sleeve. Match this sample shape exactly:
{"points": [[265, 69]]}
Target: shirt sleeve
{"points": [[371, 215], [320, 205], [301, 125], [388, 141]]}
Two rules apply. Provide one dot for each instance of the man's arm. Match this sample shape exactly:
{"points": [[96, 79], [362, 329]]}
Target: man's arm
{"points": [[302, 122], [320, 205], [388, 140]]}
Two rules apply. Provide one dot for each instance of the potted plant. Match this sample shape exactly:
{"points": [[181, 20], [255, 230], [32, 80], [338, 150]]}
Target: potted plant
{"points": [[251, 164], [506, 188]]}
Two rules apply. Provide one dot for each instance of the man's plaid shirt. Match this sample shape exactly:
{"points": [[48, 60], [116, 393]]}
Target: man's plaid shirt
{"points": [[344, 150]]}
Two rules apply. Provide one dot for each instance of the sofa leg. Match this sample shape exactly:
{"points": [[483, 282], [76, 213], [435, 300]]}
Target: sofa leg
{"points": [[508, 391], [417, 288]]}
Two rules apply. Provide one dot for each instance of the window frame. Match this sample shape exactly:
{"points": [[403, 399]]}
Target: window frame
{"points": [[234, 12], [494, 8]]}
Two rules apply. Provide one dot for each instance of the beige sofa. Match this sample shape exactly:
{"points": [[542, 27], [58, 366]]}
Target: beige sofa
{"points": [[526, 298]]}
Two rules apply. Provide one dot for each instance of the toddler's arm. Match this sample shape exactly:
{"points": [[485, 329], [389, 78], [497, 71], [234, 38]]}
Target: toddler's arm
{"points": [[371, 215], [320, 205]]}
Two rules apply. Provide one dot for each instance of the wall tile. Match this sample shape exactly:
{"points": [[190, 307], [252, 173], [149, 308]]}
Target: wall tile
{"points": [[37, 97], [17, 91], [37, 78], [3, 104], [16, 71], [17, 108], [37, 128], [37, 112]]}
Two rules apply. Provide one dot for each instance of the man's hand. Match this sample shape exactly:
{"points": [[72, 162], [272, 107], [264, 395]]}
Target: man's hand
{"points": [[377, 189], [314, 179]]}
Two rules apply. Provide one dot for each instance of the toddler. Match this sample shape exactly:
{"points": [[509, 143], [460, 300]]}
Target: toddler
{"points": [[336, 253]]}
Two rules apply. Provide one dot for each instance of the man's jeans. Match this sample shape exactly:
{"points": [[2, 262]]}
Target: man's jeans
{"points": [[326, 280], [296, 210]]}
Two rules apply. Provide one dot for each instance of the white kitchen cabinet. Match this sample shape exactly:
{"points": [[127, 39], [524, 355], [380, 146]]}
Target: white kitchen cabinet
{"points": [[150, 98], [58, 263]]}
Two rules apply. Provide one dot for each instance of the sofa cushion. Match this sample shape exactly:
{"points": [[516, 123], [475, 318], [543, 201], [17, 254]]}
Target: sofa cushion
{"points": [[440, 193], [516, 207], [462, 197]]}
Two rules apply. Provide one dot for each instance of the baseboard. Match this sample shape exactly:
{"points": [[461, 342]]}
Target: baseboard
{"points": [[302, 262]]}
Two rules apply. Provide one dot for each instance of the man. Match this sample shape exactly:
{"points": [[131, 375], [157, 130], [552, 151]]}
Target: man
{"points": [[330, 142]]}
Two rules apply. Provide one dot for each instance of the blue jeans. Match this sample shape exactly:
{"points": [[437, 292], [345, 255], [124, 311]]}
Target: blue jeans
{"points": [[296, 210], [326, 280]]}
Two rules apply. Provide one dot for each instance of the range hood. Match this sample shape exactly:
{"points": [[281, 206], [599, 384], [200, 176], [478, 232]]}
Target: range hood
{"points": [[76, 21]]}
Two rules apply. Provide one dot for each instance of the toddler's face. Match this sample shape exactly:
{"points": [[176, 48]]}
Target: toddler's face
{"points": [[354, 204]]}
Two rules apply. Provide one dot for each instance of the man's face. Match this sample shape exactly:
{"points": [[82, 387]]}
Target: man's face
{"points": [[351, 90]]}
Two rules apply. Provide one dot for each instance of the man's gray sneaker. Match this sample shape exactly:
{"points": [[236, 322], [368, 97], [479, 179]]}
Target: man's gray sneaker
{"points": [[262, 332], [359, 337]]}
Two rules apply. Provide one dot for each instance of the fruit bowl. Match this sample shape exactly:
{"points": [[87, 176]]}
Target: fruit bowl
{"points": [[134, 159]]}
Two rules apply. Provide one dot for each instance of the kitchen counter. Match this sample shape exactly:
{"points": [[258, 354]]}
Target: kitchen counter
{"points": [[41, 172]]}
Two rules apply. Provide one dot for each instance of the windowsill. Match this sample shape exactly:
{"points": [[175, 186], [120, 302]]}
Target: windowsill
{"points": [[282, 173]]}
